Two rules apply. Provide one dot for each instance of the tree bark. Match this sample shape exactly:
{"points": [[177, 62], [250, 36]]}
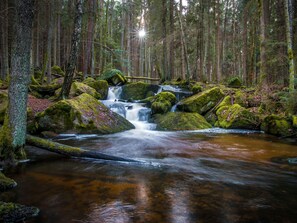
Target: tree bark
{"points": [[90, 36], [13, 132], [73, 52], [263, 6], [71, 151], [289, 35]]}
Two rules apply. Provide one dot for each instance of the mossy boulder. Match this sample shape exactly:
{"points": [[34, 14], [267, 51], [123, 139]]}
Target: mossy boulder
{"points": [[6, 183], [278, 125], [78, 88], [3, 105], [234, 82], [163, 102], [44, 91], [10, 212], [82, 114], [138, 91], [113, 77], [101, 86], [57, 71], [294, 120], [237, 117], [202, 102], [179, 121], [197, 88]]}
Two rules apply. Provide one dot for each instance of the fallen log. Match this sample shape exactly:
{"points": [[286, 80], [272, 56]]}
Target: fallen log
{"points": [[71, 151]]}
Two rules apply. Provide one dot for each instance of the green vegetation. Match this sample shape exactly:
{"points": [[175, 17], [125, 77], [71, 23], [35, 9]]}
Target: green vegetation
{"points": [[203, 102], [178, 121], [138, 91]]}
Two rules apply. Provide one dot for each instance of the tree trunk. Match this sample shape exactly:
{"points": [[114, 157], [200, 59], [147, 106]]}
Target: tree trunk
{"points": [[90, 35], [13, 132], [73, 52], [218, 43], [71, 151], [244, 50], [263, 6], [171, 54], [289, 34], [4, 71], [164, 37]]}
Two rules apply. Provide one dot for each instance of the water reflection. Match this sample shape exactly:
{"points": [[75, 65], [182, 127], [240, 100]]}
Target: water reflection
{"points": [[196, 177]]}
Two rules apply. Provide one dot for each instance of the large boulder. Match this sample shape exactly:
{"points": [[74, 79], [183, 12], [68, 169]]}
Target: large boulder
{"points": [[179, 121], [162, 102], [138, 91], [44, 91], [101, 86], [10, 212], [6, 183], [202, 102], [3, 105], [78, 88], [234, 82], [82, 114], [113, 77], [237, 117], [279, 126]]}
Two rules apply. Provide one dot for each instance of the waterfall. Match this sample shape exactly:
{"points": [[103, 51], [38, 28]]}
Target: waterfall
{"points": [[136, 113]]}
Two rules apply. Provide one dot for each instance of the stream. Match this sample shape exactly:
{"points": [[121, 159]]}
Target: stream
{"points": [[212, 175]]}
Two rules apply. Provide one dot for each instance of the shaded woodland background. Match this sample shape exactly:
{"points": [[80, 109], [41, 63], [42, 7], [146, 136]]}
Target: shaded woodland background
{"points": [[203, 40]]}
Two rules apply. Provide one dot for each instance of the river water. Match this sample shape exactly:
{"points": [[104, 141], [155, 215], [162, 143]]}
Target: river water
{"points": [[212, 175]]}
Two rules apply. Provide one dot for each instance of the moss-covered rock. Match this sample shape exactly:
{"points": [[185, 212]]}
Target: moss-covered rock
{"points": [[82, 114], [44, 91], [178, 121], [234, 82], [202, 102], [138, 91], [10, 212], [6, 183], [113, 77], [101, 86], [211, 117], [78, 88], [57, 71], [278, 126], [237, 117], [163, 102], [3, 105], [294, 120], [197, 88]]}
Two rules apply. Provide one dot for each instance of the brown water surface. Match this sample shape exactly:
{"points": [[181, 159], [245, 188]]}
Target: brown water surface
{"points": [[185, 177]]}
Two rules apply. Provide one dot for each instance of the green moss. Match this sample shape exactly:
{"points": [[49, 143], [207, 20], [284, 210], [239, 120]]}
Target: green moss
{"points": [[234, 82], [138, 91], [294, 120], [278, 125], [101, 86], [178, 121], [197, 88], [6, 183], [226, 102], [114, 77], [57, 70], [10, 212], [78, 88], [3, 105], [82, 114], [202, 102], [162, 102], [44, 91], [237, 117]]}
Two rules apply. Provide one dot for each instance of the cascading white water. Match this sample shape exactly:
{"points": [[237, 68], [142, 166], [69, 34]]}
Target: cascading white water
{"points": [[136, 113]]}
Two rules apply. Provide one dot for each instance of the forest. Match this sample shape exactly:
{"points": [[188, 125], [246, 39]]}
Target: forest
{"points": [[131, 105]]}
